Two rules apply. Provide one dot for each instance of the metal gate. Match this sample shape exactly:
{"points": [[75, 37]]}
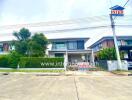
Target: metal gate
{"points": [[129, 65]]}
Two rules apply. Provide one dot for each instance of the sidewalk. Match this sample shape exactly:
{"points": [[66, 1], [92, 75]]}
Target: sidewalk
{"points": [[89, 73], [67, 73]]}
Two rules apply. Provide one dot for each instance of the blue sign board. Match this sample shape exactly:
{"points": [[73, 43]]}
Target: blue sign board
{"points": [[117, 11]]}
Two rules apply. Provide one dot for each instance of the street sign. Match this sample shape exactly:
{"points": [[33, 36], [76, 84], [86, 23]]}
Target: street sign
{"points": [[117, 11]]}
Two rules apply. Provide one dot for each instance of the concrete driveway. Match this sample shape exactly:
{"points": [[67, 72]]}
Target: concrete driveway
{"points": [[32, 87]]}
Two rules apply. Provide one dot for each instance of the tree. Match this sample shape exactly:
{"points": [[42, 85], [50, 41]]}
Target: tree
{"points": [[108, 54], [31, 46], [23, 37], [40, 39], [38, 45]]}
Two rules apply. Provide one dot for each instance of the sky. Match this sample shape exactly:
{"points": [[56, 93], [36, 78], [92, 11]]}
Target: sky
{"points": [[30, 11], [14, 12]]}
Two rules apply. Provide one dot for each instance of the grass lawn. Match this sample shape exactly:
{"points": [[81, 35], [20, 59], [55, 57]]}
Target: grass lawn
{"points": [[44, 71], [122, 72]]}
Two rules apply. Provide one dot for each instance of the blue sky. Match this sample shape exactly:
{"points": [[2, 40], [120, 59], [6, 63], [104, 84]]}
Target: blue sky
{"points": [[30, 11], [33, 11]]}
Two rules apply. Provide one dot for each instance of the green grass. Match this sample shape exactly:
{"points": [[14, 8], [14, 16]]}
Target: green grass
{"points": [[44, 71], [97, 69], [121, 72]]}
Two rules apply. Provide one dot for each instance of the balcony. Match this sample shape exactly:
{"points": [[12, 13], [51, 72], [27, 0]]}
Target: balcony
{"points": [[68, 45]]}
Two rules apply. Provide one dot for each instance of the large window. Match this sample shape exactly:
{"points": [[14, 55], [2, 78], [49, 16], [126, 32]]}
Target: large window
{"points": [[1, 47], [59, 46], [72, 45], [80, 44], [129, 42]]}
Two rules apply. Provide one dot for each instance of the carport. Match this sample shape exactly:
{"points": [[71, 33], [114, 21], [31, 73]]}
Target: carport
{"points": [[128, 52]]}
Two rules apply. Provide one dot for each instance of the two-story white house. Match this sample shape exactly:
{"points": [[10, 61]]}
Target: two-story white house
{"points": [[74, 50]]}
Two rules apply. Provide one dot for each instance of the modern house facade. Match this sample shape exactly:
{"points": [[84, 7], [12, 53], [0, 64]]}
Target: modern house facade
{"points": [[73, 50], [124, 43]]}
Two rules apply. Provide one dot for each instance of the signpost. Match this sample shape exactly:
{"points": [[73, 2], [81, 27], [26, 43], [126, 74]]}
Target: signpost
{"points": [[116, 11]]}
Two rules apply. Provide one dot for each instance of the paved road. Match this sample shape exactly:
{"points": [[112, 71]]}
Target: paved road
{"points": [[32, 87]]}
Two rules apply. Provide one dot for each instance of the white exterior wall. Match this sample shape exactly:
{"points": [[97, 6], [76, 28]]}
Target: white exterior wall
{"points": [[49, 47], [113, 65]]}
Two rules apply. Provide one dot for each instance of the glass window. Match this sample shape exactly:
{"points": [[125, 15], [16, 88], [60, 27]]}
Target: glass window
{"points": [[72, 45], [129, 42], [59, 55], [59, 46], [80, 44], [1, 49], [119, 43]]}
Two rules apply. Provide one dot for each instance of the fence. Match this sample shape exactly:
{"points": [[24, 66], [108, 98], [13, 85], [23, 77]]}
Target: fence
{"points": [[112, 65]]}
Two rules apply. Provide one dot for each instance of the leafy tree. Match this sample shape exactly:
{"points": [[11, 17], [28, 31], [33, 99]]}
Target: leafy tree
{"points": [[21, 47], [31, 46], [23, 34], [38, 45], [40, 39], [23, 37], [108, 54]]}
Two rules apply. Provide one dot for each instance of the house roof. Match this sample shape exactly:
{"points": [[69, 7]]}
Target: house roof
{"points": [[117, 7], [110, 38], [69, 38]]}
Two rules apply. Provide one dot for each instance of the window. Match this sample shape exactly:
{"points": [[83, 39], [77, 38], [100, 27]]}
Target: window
{"points": [[129, 42], [80, 44], [1, 47], [72, 45], [59, 46], [119, 43], [59, 55]]}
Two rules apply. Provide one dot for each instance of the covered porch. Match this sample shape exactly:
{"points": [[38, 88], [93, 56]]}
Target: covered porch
{"points": [[73, 57]]}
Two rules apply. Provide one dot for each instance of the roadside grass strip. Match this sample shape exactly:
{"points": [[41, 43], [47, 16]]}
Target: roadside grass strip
{"points": [[24, 70]]}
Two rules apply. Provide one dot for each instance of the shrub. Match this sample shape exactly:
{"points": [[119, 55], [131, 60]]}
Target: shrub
{"points": [[40, 62], [108, 54], [13, 59], [10, 61], [4, 61]]}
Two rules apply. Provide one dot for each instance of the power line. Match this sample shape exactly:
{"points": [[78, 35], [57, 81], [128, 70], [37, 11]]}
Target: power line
{"points": [[123, 6], [79, 29], [82, 21], [126, 3], [73, 21]]}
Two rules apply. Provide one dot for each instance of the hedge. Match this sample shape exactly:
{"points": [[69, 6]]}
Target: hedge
{"points": [[10, 60], [40, 62], [4, 61]]}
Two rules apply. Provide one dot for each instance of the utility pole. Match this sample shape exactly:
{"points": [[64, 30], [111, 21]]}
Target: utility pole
{"points": [[115, 42], [117, 11]]}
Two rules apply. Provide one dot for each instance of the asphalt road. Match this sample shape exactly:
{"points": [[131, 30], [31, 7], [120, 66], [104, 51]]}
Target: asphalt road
{"points": [[32, 87]]}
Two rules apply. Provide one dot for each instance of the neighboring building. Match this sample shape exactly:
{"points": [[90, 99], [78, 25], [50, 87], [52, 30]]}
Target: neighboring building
{"points": [[72, 49], [124, 43], [4, 47]]}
